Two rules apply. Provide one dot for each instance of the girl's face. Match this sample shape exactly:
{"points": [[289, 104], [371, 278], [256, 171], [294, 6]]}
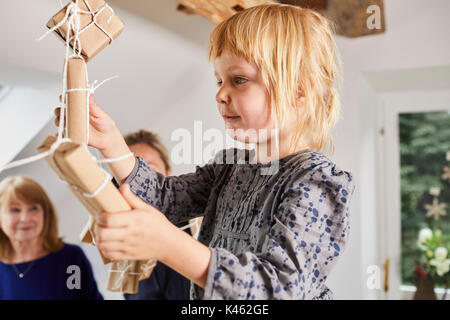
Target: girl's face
{"points": [[242, 99], [21, 221]]}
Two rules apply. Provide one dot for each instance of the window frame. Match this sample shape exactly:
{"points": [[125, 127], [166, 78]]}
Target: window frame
{"points": [[388, 184]]}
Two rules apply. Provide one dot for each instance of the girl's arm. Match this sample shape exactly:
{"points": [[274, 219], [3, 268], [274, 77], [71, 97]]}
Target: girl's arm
{"points": [[181, 197], [120, 169], [187, 256]]}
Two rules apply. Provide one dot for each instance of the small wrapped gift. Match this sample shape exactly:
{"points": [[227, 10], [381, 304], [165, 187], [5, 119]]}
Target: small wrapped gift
{"points": [[124, 276], [196, 224], [77, 100], [93, 187], [98, 25]]}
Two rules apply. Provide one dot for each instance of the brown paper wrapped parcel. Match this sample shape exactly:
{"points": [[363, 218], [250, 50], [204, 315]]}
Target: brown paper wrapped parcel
{"points": [[77, 101], [93, 39], [73, 164]]}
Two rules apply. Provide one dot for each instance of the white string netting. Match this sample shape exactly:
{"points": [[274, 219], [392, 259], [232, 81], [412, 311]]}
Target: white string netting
{"points": [[72, 17]]}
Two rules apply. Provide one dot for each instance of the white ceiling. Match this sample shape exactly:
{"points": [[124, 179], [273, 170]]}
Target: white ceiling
{"points": [[164, 13]]}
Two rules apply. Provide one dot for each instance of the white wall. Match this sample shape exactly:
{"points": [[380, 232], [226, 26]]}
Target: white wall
{"points": [[13, 106], [166, 83]]}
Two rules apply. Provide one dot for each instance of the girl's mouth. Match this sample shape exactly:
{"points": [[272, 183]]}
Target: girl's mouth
{"points": [[231, 118]]}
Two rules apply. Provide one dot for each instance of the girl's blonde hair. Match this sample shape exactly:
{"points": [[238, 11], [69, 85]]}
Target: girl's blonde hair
{"points": [[29, 191], [296, 53]]}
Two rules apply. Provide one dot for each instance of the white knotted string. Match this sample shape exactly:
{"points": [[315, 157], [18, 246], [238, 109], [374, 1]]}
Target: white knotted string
{"points": [[148, 266], [197, 233], [123, 267], [74, 10], [195, 223], [72, 17], [198, 228]]}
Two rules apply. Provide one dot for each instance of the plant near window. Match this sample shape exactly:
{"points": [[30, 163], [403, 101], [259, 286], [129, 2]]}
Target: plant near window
{"points": [[434, 247], [434, 262]]}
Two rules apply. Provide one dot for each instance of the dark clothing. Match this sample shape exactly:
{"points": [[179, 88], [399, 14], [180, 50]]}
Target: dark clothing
{"points": [[62, 275]]}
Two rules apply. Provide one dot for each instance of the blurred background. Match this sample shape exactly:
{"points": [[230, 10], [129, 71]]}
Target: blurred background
{"points": [[394, 133]]}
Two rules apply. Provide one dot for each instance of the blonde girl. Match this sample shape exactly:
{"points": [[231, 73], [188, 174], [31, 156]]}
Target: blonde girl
{"points": [[264, 236]]}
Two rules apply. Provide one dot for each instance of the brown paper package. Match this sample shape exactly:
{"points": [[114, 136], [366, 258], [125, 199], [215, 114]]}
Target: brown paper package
{"points": [[73, 164], [93, 39], [77, 103]]}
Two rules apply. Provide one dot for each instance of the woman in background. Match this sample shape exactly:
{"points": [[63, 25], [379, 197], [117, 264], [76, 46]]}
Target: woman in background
{"points": [[34, 261]]}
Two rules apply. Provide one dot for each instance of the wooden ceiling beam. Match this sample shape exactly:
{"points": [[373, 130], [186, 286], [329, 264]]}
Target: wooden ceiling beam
{"points": [[185, 9], [217, 10], [352, 18], [356, 18], [312, 4]]}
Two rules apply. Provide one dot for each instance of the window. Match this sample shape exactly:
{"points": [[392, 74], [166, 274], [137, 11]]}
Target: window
{"points": [[424, 140], [412, 152]]}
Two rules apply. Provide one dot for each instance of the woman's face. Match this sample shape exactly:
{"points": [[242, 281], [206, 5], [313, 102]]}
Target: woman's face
{"points": [[21, 221], [151, 156]]}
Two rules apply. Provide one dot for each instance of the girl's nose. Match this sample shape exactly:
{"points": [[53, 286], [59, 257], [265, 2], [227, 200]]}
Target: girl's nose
{"points": [[222, 96]]}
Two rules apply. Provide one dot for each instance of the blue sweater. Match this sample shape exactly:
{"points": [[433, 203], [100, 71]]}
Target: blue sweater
{"points": [[62, 275]]}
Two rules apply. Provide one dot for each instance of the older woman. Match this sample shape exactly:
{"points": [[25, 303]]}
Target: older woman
{"points": [[34, 262]]}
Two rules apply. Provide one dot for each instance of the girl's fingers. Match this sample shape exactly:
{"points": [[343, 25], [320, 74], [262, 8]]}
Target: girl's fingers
{"points": [[117, 246], [113, 220], [94, 108], [114, 250], [117, 256], [109, 234], [114, 255]]}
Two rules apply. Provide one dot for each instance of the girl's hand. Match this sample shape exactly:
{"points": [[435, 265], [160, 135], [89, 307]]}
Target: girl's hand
{"points": [[145, 233], [138, 234], [102, 128]]}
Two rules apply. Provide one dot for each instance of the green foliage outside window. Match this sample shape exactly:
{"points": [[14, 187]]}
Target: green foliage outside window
{"points": [[425, 184]]}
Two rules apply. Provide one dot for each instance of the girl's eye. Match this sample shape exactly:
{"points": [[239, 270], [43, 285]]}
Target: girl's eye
{"points": [[219, 83], [14, 210], [34, 208], [240, 80]]}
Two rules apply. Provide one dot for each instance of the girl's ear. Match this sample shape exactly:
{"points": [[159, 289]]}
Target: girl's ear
{"points": [[301, 94], [300, 99]]}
